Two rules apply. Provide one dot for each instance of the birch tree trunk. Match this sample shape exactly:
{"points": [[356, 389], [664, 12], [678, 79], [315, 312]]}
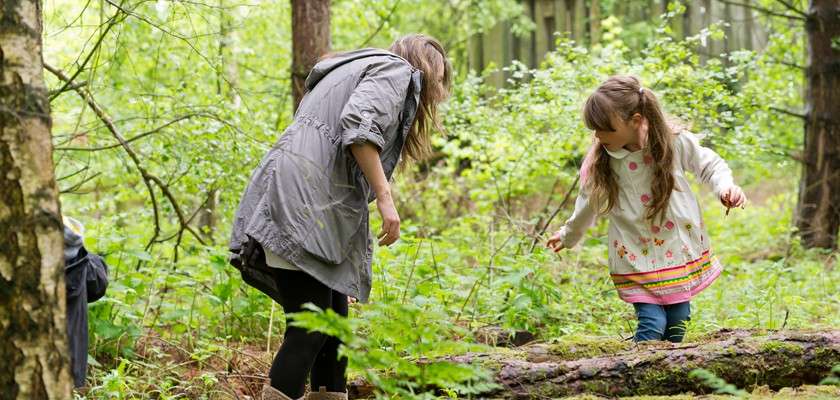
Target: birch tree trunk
{"points": [[33, 338]]}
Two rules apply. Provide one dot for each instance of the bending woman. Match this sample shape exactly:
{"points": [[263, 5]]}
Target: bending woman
{"points": [[301, 231]]}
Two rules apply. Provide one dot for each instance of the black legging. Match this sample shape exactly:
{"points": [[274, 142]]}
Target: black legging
{"points": [[307, 353]]}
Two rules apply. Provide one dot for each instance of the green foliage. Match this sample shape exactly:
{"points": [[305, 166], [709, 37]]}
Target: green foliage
{"points": [[201, 107], [834, 378], [395, 345], [719, 385]]}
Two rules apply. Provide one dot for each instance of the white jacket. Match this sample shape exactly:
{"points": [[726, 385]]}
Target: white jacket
{"points": [[653, 263]]}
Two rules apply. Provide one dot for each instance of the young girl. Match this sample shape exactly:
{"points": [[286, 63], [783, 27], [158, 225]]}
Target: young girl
{"points": [[634, 173]]}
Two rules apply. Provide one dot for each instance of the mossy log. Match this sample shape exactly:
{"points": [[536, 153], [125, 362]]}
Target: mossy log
{"points": [[747, 359]]}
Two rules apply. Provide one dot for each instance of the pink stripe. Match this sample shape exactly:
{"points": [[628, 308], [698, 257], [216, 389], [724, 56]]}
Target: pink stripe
{"points": [[673, 298], [705, 253]]}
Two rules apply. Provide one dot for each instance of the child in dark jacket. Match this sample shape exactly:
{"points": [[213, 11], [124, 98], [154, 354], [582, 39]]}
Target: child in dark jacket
{"points": [[86, 277]]}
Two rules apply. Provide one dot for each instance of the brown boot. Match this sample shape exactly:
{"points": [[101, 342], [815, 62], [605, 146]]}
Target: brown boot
{"points": [[323, 394], [270, 393]]}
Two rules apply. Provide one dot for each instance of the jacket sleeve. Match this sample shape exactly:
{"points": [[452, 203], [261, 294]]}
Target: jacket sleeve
{"points": [[706, 165], [97, 277], [582, 218], [375, 103]]}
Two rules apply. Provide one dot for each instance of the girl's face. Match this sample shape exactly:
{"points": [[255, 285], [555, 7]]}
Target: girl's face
{"points": [[626, 134]]}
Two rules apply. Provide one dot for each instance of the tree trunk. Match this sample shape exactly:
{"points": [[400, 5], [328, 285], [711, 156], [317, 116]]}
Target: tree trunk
{"points": [[594, 22], [579, 22], [310, 40], [614, 368], [818, 211], [748, 27], [33, 338]]}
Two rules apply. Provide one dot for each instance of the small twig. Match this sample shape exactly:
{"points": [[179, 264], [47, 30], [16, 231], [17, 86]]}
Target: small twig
{"points": [[764, 10], [437, 270], [76, 187], [69, 81], [54, 93], [788, 112], [792, 8], [784, 323], [477, 281], [72, 174], [554, 214], [411, 274], [175, 35], [140, 136], [382, 23]]}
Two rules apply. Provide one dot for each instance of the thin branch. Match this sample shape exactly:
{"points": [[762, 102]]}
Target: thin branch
{"points": [[175, 35], [140, 136], [787, 64], [54, 93], [556, 211], [111, 23], [76, 187], [763, 10], [72, 174], [382, 23], [788, 112], [792, 8], [148, 178]]}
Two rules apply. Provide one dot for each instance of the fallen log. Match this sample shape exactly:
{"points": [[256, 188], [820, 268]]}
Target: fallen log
{"points": [[747, 359]]}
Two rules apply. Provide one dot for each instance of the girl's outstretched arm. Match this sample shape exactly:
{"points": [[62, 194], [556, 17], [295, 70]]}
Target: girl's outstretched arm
{"points": [[709, 168], [572, 231]]}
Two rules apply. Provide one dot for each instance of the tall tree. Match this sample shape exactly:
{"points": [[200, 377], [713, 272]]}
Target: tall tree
{"points": [[818, 216], [33, 338], [594, 22], [310, 40]]}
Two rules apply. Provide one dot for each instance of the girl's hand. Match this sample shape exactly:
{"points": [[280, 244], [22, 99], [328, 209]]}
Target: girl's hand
{"points": [[733, 196], [390, 219], [555, 243]]}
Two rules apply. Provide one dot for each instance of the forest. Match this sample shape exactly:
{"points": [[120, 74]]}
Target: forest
{"points": [[142, 122]]}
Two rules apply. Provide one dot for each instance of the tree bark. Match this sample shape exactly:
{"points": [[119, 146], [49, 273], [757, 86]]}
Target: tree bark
{"points": [[594, 22], [579, 22], [33, 343], [310, 40], [614, 368], [818, 211]]}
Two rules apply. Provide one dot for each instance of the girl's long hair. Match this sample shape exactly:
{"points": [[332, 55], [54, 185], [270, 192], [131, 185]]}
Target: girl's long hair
{"points": [[426, 54], [623, 96]]}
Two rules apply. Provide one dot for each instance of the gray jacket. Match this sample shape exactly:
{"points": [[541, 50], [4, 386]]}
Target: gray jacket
{"points": [[307, 201]]}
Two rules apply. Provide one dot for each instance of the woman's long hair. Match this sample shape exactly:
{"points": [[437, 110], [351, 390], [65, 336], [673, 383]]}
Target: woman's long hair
{"points": [[623, 96], [426, 54]]}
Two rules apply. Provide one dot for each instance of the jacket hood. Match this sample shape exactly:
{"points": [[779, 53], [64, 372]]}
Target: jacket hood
{"points": [[74, 233], [325, 66]]}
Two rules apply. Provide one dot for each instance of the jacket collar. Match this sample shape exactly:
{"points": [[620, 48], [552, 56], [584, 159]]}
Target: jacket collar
{"points": [[621, 153]]}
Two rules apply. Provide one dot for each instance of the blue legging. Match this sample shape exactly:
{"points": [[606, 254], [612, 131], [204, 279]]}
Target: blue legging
{"points": [[658, 322]]}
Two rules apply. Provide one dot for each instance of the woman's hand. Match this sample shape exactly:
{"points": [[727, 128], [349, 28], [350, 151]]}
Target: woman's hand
{"points": [[555, 243], [390, 219], [732, 196]]}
